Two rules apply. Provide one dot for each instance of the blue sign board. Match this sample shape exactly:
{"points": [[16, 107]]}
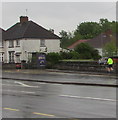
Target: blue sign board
{"points": [[42, 60]]}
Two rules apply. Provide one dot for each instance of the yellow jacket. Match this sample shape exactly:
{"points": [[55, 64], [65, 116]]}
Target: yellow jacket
{"points": [[110, 61]]}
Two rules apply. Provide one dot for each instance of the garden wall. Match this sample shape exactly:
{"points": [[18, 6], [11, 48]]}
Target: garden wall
{"points": [[91, 66]]}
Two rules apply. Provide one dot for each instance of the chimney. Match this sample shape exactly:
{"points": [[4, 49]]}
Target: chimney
{"points": [[23, 19]]}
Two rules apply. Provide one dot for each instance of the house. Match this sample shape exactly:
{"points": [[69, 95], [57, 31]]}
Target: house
{"points": [[98, 42], [2, 44], [25, 38]]}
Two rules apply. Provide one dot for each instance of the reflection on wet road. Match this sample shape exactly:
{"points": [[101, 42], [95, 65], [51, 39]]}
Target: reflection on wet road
{"points": [[23, 99]]}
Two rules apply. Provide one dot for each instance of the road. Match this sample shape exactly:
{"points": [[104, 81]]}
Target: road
{"points": [[24, 99], [61, 77]]}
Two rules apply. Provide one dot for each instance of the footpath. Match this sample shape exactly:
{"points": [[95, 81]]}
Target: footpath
{"points": [[84, 78]]}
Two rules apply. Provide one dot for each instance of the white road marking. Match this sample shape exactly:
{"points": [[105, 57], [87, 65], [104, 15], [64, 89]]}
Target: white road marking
{"points": [[19, 85], [25, 84], [10, 85], [27, 92], [91, 98]]}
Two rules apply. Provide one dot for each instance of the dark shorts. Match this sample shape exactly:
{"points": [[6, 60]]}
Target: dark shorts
{"points": [[110, 66]]}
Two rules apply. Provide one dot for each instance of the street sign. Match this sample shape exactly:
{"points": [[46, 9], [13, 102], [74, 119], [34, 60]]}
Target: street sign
{"points": [[41, 60]]}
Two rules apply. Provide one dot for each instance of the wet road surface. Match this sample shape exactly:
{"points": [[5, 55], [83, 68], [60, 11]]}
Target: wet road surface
{"points": [[62, 77], [23, 99]]}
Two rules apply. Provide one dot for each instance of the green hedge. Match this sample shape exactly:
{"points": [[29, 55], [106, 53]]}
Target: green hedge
{"points": [[52, 59]]}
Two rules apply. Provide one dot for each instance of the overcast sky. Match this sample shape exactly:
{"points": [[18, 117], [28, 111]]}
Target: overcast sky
{"points": [[57, 15]]}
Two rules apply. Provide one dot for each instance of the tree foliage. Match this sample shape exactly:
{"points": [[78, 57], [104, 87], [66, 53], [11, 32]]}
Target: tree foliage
{"points": [[86, 51], [110, 49], [88, 29]]}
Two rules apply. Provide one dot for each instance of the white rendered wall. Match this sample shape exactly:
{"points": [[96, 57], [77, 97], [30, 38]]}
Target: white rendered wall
{"points": [[53, 45], [29, 46]]}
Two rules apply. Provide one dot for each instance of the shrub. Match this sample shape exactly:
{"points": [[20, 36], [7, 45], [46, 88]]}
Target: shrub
{"points": [[64, 55], [87, 52], [52, 59], [74, 55]]}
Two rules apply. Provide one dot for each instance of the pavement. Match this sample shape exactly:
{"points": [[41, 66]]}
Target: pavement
{"points": [[101, 79]]}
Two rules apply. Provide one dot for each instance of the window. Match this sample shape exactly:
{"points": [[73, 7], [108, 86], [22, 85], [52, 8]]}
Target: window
{"points": [[1, 44], [17, 58], [1, 57], [17, 43], [11, 56], [42, 43], [11, 43]]}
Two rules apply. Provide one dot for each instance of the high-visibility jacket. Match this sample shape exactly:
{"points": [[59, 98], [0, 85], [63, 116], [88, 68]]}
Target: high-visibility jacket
{"points": [[110, 61]]}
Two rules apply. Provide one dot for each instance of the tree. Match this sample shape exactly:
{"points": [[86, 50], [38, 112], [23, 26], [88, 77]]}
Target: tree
{"points": [[88, 29], [86, 51], [63, 34], [110, 49], [64, 38], [105, 24], [70, 55]]}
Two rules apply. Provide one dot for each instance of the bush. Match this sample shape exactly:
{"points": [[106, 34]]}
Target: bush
{"points": [[65, 55], [95, 55], [52, 59], [74, 55], [87, 52]]}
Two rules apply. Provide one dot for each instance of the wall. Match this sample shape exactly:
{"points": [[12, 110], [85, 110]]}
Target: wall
{"points": [[53, 45], [33, 45], [8, 66], [28, 46], [90, 66], [72, 66]]}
